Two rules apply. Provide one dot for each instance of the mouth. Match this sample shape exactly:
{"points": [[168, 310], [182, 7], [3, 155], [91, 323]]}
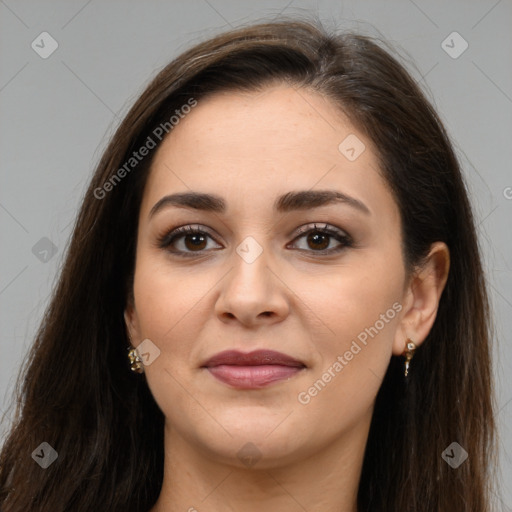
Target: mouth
{"points": [[252, 370]]}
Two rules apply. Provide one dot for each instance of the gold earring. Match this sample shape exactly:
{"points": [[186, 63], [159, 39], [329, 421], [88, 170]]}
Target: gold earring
{"points": [[136, 364], [409, 354]]}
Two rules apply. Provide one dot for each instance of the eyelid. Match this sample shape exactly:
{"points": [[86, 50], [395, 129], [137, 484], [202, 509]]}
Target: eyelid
{"points": [[325, 227], [165, 240], [339, 234], [167, 237]]}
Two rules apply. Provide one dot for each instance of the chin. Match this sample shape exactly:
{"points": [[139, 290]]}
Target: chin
{"points": [[256, 442], [255, 451]]}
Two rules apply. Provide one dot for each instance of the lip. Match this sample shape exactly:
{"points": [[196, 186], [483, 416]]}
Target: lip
{"points": [[252, 370], [255, 358]]}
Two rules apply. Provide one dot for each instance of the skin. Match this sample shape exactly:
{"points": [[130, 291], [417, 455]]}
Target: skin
{"points": [[251, 148]]}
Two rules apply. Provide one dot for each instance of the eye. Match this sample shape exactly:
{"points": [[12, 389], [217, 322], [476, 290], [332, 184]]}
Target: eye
{"points": [[187, 240], [190, 240], [320, 238]]}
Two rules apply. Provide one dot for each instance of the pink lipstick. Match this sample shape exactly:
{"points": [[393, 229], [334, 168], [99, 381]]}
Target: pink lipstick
{"points": [[252, 370]]}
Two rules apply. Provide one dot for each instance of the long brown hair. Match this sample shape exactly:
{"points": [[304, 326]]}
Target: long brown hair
{"points": [[77, 392]]}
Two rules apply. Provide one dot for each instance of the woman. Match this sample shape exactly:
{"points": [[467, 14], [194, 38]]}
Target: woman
{"points": [[280, 235]]}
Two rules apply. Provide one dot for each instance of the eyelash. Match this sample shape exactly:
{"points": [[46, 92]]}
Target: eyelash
{"points": [[167, 239]]}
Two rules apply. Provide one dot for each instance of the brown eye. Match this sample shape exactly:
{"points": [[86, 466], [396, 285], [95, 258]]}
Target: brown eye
{"points": [[318, 239], [191, 241], [194, 241], [184, 241]]}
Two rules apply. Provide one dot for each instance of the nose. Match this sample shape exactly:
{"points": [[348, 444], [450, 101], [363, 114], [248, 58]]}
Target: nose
{"points": [[252, 293]]}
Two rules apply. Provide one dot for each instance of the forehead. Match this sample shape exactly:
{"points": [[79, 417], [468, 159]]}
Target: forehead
{"points": [[258, 145]]}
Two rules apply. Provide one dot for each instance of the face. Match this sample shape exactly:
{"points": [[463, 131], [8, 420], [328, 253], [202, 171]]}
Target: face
{"points": [[271, 264]]}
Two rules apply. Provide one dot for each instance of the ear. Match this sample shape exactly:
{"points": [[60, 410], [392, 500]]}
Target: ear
{"points": [[421, 299], [132, 323]]}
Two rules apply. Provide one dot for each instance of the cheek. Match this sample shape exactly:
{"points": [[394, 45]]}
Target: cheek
{"points": [[359, 310], [163, 296], [172, 303], [353, 297], [169, 304]]}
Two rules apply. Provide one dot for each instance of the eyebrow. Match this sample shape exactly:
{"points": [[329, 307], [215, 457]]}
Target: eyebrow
{"points": [[301, 200]]}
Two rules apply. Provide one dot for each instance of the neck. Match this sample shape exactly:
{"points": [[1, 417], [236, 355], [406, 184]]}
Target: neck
{"points": [[326, 481]]}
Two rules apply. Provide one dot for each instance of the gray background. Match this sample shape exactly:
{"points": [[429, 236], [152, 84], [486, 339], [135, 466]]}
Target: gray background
{"points": [[58, 112]]}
